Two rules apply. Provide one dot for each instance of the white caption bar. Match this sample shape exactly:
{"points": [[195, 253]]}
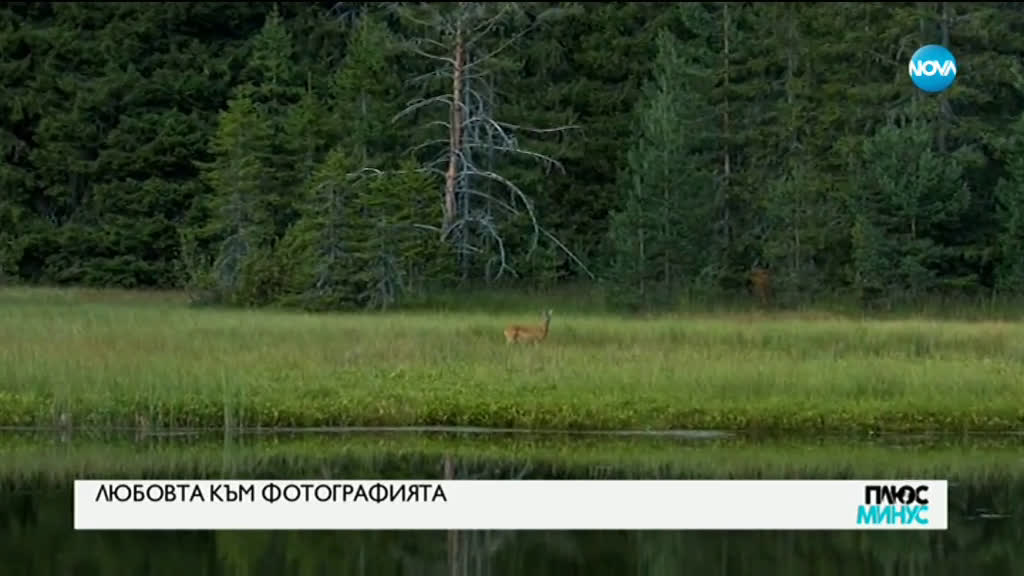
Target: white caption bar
{"points": [[511, 505]]}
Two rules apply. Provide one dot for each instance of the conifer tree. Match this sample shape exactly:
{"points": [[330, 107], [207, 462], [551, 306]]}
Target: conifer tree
{"points": [[355, 243], [663, 238], [905, 192], [283, 100], [240, 223], [1010, 214]]}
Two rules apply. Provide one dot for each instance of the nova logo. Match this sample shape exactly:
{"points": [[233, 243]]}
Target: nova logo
{"points": [[888, 505], [932, 68]]}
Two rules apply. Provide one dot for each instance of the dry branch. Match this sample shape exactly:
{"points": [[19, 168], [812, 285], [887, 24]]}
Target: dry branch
{"points": [[455, 37]]}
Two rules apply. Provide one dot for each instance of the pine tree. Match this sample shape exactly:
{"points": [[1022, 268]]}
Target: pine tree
{"points": [[317, 254], [664, 238], [1010, 214], [240, 226], [905, 193], [795, 221], [275, 87], [17, 112], [391, 245], [366, 93]]}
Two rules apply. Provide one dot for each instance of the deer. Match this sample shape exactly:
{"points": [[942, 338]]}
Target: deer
{"points": [[761, 284], [529, 333]]}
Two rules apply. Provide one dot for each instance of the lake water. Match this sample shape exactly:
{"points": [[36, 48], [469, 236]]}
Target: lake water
{"points": [[986, 534]]}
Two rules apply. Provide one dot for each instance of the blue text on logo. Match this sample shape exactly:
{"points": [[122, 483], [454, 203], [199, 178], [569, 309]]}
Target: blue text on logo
{"points": [[890, 515], [932, 68]]}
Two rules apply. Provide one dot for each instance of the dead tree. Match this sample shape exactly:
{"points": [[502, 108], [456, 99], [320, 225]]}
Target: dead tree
{"points": [[461, 40]]}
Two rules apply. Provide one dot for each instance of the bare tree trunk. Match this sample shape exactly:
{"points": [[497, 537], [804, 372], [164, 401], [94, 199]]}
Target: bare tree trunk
{"points": [[726, 168], [725, 57], [455, 132], [794, 143], [463, 58], [643, 284]]}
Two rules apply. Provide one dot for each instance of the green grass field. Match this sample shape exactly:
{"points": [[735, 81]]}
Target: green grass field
{"points": [[98, 359], [30, 457]]}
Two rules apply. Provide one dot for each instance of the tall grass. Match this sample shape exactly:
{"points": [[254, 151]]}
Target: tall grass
{"points": [[28, 457], [82, 359]]}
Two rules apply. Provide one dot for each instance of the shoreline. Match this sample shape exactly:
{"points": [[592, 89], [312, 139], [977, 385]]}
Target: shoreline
{"points": [[485, 414], [26, 455]]}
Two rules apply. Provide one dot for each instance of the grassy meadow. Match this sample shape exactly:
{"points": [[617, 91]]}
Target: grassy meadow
{"points": [[108, 359]]}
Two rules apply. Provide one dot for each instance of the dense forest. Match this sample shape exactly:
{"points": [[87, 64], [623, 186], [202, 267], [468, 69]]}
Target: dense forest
{"points": [[350, 155]]}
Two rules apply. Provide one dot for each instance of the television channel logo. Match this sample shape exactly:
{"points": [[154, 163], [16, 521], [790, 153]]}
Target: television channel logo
{"points": [[933, 68], [889, 505]]}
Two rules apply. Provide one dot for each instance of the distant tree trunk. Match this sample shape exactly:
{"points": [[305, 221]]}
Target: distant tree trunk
{"points": [[726, 167], [791, 40], [455, 132]]}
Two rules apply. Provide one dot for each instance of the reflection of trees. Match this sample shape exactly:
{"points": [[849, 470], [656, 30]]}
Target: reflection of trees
{"points": [[36, 537]]}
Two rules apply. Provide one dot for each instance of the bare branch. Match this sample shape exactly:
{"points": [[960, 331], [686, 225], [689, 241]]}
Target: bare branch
{"points": [[431, 171], [495, 125], [487, 196], [442, 158], [426, 54], [503, 46], [456, 224], [364, 171], [489, 227], [503, 139], [443, 73], [517, 192], [472, 94], [546, 159], [423, 102], [440, 73], [565, 128], [401, 9], [441, 123], [569, 253], [423, 145], [487, 25], [434, 43], [475, 76]]}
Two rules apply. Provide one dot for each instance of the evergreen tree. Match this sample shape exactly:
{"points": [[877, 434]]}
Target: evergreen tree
{"points": [[241, 215], [317, 255], [664, 237], [275, 86], [365, 94], [795, 220], [1010, 213], [17, 113], [750, 142], [905, 192]]}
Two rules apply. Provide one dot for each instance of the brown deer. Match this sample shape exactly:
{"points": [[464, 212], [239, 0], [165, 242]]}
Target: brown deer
{"points": [[530, 333], [761, 284]]}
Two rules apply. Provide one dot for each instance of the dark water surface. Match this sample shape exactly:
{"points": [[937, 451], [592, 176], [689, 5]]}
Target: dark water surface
{"points": [[986, 534]]}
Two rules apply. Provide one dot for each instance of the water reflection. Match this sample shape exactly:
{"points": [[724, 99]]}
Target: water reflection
{"points": [[985, 536]]}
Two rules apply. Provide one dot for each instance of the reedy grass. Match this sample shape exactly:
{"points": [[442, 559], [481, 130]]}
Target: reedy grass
{"points": [[86, 359], [28, 457]]}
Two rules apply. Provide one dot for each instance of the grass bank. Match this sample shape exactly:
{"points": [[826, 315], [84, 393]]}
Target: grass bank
{"points": [[87, 359], [30, 457]]}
